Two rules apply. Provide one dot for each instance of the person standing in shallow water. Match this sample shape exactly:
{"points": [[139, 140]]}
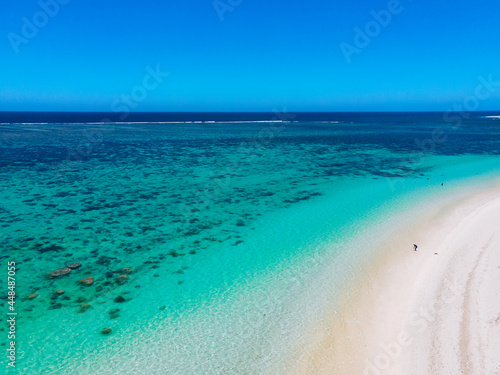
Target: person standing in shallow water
{"points": [[415, 247]]}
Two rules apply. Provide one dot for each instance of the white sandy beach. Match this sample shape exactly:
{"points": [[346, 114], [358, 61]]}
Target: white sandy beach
{"points": [[433, 311]]}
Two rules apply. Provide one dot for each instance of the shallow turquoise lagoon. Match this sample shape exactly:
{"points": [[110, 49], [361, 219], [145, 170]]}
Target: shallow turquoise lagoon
{"points": [[237, 236]]}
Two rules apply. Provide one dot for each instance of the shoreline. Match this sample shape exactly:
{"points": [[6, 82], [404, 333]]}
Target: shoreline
{"points": [[305, 289], [409, 311]]}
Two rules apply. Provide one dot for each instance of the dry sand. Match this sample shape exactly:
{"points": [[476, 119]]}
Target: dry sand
{"points": [[433, 311]]}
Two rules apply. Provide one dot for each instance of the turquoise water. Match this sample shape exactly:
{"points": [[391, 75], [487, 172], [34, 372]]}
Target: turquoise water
{"points": [[238, 236]]}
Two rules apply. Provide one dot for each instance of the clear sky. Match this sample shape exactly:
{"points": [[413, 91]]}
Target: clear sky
{"points": [[248, 55]]}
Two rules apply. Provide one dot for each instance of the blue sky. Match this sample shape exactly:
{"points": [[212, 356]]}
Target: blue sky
{"points": [[90, 55]]}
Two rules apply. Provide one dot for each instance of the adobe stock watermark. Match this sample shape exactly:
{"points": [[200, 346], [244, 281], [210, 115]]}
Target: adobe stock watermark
{"points": [[420, 321], [439, 135], [93, 137], [139, 93], [223, 6], [483, 91], [30, 27], [372, 29]]}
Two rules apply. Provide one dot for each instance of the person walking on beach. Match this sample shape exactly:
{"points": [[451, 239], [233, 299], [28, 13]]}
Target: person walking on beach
{"points": [[415, 247]]}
